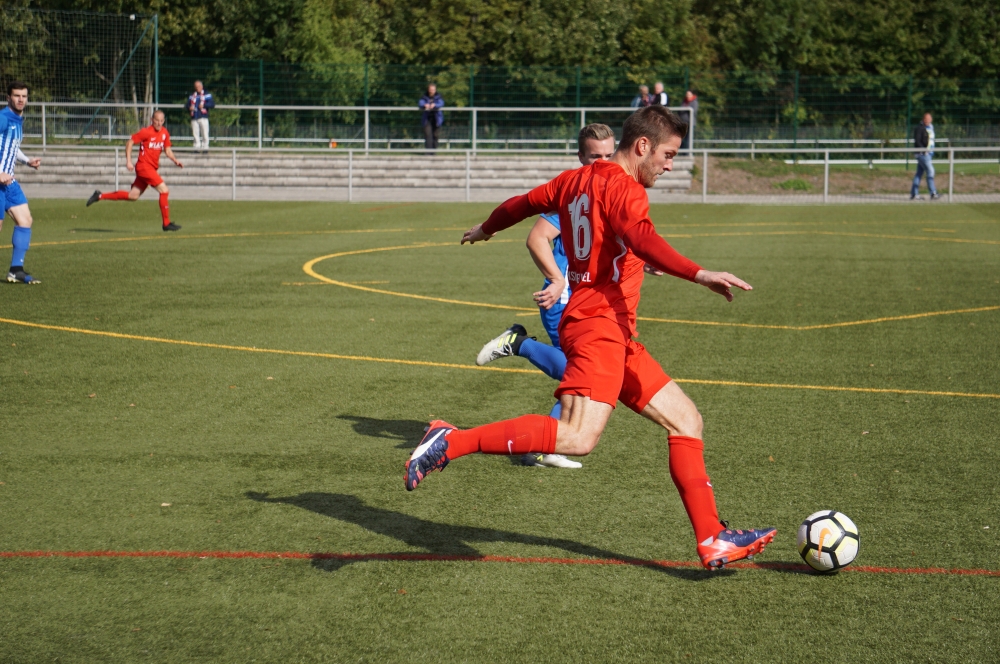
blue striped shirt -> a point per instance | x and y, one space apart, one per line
11 133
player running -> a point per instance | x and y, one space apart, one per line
152 140
13 198
605 226
595 142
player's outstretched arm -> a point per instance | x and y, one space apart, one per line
538 243
513 211
170 155
721 283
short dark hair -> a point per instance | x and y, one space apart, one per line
16 85
596 131
657 123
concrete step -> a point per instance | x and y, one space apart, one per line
296 170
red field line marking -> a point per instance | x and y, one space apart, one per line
438 557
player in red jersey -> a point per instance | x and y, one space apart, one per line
152 140
604 220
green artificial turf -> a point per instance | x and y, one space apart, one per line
267 452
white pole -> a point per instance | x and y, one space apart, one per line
43 126
234 174
704 180
475 122
951 174
366 130
753 146
826 176
350 175
468 174
260 127
116 167
583 118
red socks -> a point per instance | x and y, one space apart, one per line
115 196
528 433
165 209
687 470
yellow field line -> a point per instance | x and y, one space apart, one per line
472 367
203 236
308 268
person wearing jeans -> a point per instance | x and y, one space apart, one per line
923 137
432 117
197 106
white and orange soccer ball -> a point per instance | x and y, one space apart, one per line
828 541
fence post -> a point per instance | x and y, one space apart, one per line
468 174
475 122
260 70
795 119
260 126
116 168
826 176
234 174
909 118
753 146
367 124
350 176
472 85
578 72
704 179
951 173
583 118
156 59
43 126
366 87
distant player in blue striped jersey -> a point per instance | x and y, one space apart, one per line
14 201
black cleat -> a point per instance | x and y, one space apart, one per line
94 197
171 227
21 277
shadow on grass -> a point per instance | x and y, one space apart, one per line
408 432
443 541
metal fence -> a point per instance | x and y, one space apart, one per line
336 127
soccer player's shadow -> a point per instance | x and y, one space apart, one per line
441 540
405 431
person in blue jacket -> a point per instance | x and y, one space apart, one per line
198 105
432 117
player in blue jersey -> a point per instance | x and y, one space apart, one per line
13 199
595 142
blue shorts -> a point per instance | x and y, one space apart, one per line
550 321
12 196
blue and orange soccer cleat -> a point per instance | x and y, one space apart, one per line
731 545
430 454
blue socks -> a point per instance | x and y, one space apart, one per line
22 238
551 360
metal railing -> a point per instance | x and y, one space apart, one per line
135 114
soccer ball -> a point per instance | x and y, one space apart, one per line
828 541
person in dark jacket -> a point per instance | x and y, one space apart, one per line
659 97
197 107
923 138
432 116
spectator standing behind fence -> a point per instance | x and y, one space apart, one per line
642 99
198 105
923 137
690 101
432 116
659 96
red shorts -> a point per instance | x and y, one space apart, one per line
146 176
604 363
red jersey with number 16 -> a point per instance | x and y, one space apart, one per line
598 204
151 142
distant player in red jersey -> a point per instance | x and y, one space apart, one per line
605 227
152 140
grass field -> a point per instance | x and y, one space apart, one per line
172 427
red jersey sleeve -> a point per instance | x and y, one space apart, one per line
647 244
166 143
141 135
542 198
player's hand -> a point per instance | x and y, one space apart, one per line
475 234
35 163
549 295
721 282
649 269
179 164
6 178
129 165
